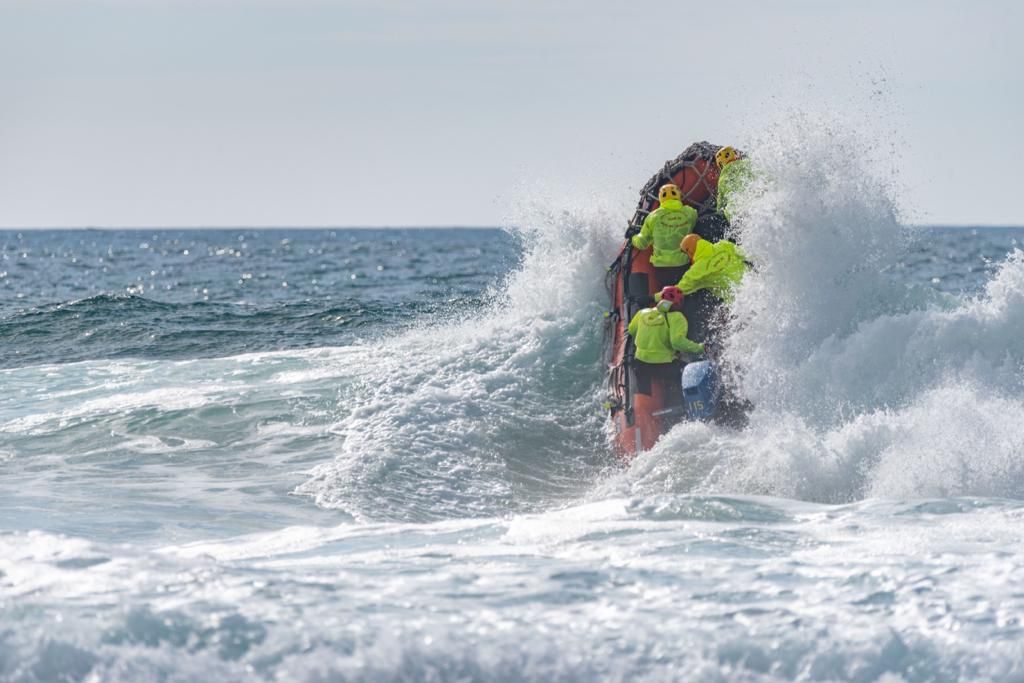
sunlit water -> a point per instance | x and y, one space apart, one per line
379 456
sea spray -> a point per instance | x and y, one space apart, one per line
493 408
863 385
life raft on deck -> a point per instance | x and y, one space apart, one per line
640 418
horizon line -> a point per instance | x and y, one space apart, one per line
250 227
100 228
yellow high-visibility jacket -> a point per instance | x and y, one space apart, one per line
658 336
718 267
665 227
733 178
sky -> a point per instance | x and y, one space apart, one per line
149 113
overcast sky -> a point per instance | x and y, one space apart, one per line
394 112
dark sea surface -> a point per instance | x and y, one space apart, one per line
379 455
80 294
72 295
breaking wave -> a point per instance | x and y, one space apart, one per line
864 385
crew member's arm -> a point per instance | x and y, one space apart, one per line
695 278
643 239
634 324
690 282
705 265
677 329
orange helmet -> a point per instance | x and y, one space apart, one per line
689 244
669 191
725 156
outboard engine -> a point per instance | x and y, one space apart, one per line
700 390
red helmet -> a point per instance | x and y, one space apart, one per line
673 294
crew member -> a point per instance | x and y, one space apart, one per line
734 174
659 333
717 267
663 228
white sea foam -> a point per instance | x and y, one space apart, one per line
861 387
483 411
735 588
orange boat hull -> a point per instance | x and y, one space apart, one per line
640 419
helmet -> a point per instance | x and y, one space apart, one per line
689 244
726 155
672 294
669 191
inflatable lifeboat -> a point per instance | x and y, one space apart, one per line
641 414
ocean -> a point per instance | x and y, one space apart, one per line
380 455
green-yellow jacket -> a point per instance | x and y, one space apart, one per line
733 178
659 335
666 226
718 267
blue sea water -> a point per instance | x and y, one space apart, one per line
379 455
87 294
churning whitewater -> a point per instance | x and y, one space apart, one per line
380 455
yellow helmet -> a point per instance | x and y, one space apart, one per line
669 191
689 244
726 155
